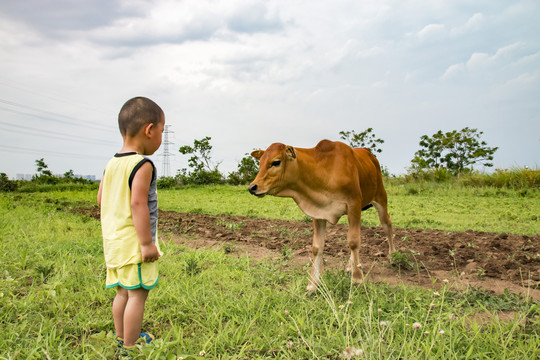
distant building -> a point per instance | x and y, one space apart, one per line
86 177
28 177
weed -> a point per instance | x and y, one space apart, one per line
231 225
44 271
192 266
283 232
286 252
401 260
228 248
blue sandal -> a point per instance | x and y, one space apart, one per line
144 338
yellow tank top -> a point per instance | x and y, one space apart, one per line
121 244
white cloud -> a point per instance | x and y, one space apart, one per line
474 23
432 32
453 71
254 72
173 22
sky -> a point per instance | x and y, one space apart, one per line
251 73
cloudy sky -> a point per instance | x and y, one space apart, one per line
250 73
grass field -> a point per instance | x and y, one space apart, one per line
53 304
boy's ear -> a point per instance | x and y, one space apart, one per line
147 129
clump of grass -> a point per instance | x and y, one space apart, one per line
192 265
44 271
230 225
401 260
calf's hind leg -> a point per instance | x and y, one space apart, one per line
353 240
384 218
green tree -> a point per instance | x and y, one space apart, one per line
246 172
365 139
203 170
456 151
69 175
42 168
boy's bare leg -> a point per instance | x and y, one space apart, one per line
118 309
133 315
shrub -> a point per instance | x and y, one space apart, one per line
6 184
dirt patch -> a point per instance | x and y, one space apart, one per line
491 261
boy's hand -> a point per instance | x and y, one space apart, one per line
149 252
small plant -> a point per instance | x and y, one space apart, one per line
228 248
230 225
286 252
401 260
192 266
44 271
283 232
412 191
480 272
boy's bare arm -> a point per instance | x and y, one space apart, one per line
99 192
141 214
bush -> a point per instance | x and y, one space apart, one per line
6 184
169 182
199 177
517 179
512 179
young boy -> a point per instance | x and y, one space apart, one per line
128 199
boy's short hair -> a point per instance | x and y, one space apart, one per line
136 113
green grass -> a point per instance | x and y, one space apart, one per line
53 304
427 205
448 207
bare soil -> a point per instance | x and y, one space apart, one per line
490 261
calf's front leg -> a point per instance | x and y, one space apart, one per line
317 248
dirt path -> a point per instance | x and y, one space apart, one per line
490 261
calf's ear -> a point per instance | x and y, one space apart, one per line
257 154
291 154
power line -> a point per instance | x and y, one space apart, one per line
49 96
52 134
11 149
51 116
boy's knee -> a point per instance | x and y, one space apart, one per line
138 293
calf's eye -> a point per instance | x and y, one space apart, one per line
276 163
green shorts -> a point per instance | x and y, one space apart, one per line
133 276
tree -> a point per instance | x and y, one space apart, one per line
246 172
200 150
455 150
69 175
365 139
203 170
42 168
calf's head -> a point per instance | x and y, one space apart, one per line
274 171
